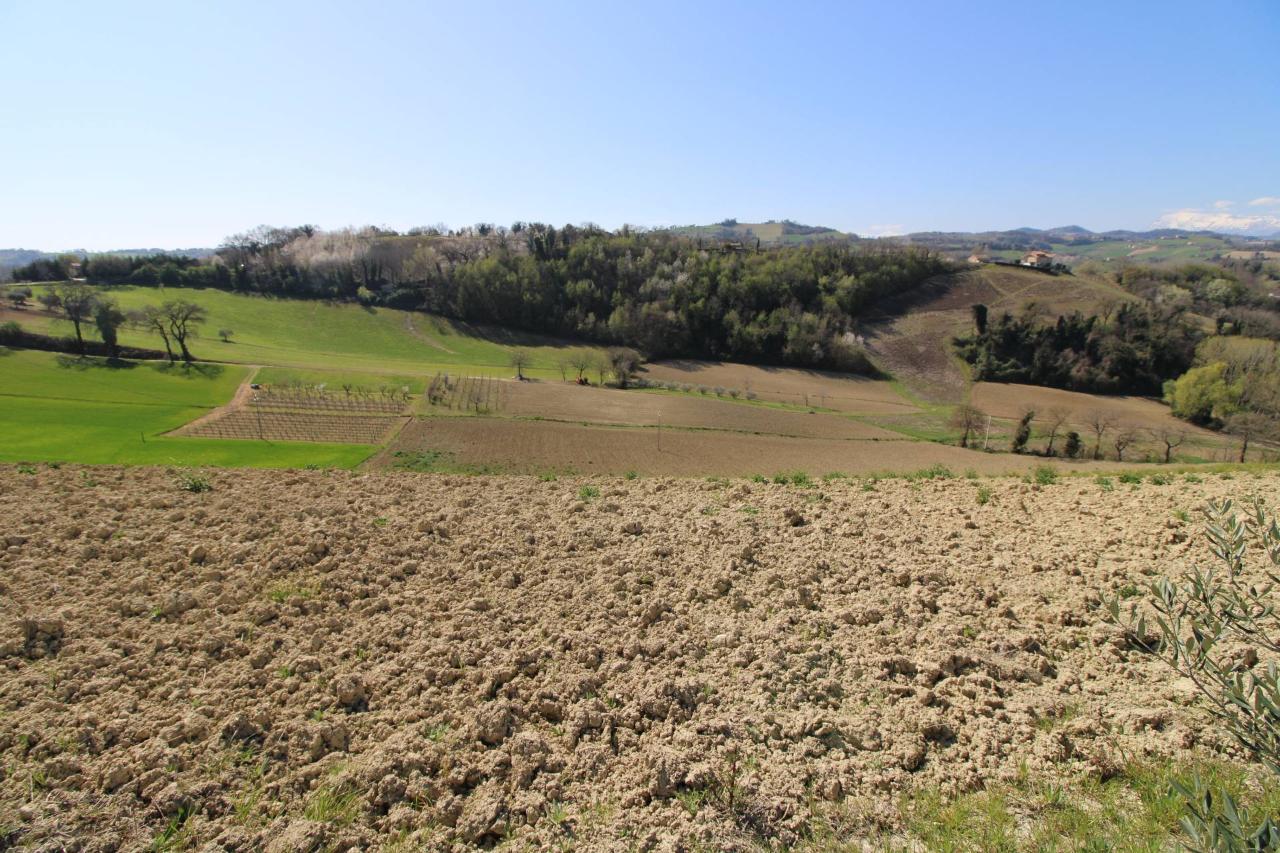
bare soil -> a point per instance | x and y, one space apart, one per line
311 660
842 392
569 402
1009 400
520 446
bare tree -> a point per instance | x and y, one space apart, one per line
968 420
581 362
600 362
519 359
225 334
1246 426
1172 438
1099 420
1054 420
152 319
182 318
562 364
1121 442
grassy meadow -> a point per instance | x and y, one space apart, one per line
59 408
315 335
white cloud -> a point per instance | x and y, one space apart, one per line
1223 205
1191 219
895 230
1266 201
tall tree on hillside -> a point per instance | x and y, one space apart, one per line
581 362
1246 426
979 318
1123 439
1172 438
182 318
1054 421
77 302
519 359
152 319
623 362
1099 420
1023 433
968 420
108 317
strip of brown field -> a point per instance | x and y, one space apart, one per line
521 446
303 661
1009 400
568 402
842 392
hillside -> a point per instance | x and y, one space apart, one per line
910 337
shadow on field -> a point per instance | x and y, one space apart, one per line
83 363
202 370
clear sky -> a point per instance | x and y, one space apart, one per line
174 123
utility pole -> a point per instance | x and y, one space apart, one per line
988 434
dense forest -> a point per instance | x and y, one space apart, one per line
1132 350
658 292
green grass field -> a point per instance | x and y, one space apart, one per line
318 335
58 408
62 408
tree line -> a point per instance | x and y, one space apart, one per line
175 322
660 293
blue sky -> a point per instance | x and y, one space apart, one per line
176 123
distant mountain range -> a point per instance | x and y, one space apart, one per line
1072 243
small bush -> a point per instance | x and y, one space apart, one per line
1160 479
1073 446
189 481
1131 478
1105 483
984 495
1045 475
630 475
587 493
936 471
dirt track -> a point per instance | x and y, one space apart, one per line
327 660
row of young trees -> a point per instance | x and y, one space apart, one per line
1106 431
654 291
